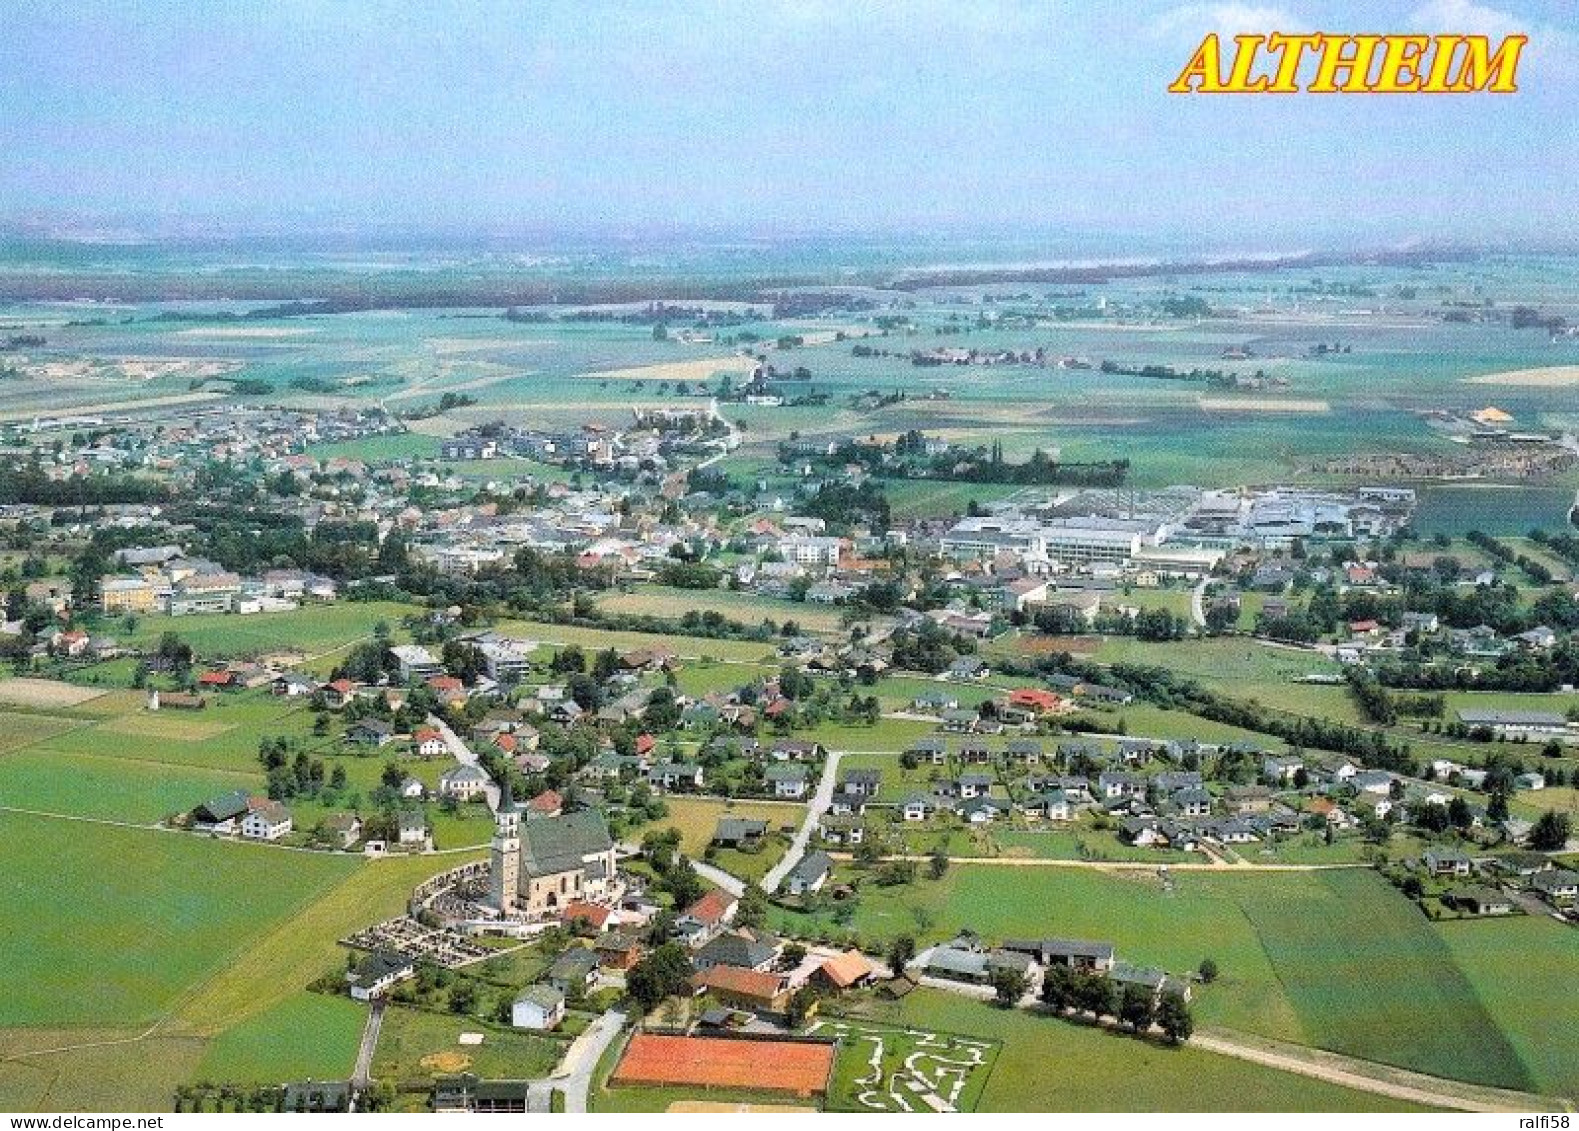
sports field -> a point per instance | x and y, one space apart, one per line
801 1068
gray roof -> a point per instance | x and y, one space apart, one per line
559 844
1512 718
733 949
812 865
225 807
952 960
544 997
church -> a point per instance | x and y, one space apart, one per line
542 863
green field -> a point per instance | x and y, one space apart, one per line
312 629
112 789
657 601
598 638
1334 959
697 818
1045 1064
306 1036
139 916
1523 972
410 1035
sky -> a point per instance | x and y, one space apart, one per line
765 117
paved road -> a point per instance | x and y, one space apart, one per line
574 1075
734 885
819 805
363 1073
1198 603
466 756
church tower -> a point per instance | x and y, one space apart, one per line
505 868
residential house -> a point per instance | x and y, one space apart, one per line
538 1007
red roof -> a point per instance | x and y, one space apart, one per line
712 907
846 969
427 733
445 683
215 679
738 980
343 686
1033 697
645 743
505 741
591 912
548 801
1363 626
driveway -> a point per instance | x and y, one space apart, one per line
734 885
819 805
574 1076
466 756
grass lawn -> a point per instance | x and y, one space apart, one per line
1523 972
19 729
114 789
137 1076
1217 658
140 916
305 1036
1333 959
372 449
411 1036
1369 976
697 818
659 601
751 651
901 1054
281 962
1046 1064
312 629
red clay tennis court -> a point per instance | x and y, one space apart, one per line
721 1062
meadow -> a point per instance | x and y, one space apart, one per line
697 817
311 630
1334 959
1047 1064
141 916
412 1036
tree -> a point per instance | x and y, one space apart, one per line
663 972
801 1004
1136 1007
1550 832
1058 987
1208 970
463 996
1008 986
937 864
753 908
1094 993
900 952
1173 1014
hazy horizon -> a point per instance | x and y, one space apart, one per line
1010 119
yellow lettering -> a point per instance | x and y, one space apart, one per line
1495 73
1400 69
1436 79
1239 80
1355 66
1293 47
1205 65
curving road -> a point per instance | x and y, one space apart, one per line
814 811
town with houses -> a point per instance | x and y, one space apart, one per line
905 700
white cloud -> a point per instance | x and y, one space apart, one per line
1192 21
